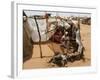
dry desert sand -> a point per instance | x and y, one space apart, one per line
37 62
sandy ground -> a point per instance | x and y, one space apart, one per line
47 50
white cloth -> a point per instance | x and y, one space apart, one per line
78 40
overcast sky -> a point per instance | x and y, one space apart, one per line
32 13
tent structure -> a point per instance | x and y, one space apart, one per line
36 28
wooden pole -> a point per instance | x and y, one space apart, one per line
46 17
39 37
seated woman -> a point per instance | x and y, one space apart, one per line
57 35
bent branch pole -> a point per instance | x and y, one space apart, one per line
39 36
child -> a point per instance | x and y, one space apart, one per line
65 42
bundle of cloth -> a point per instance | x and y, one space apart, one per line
61 59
